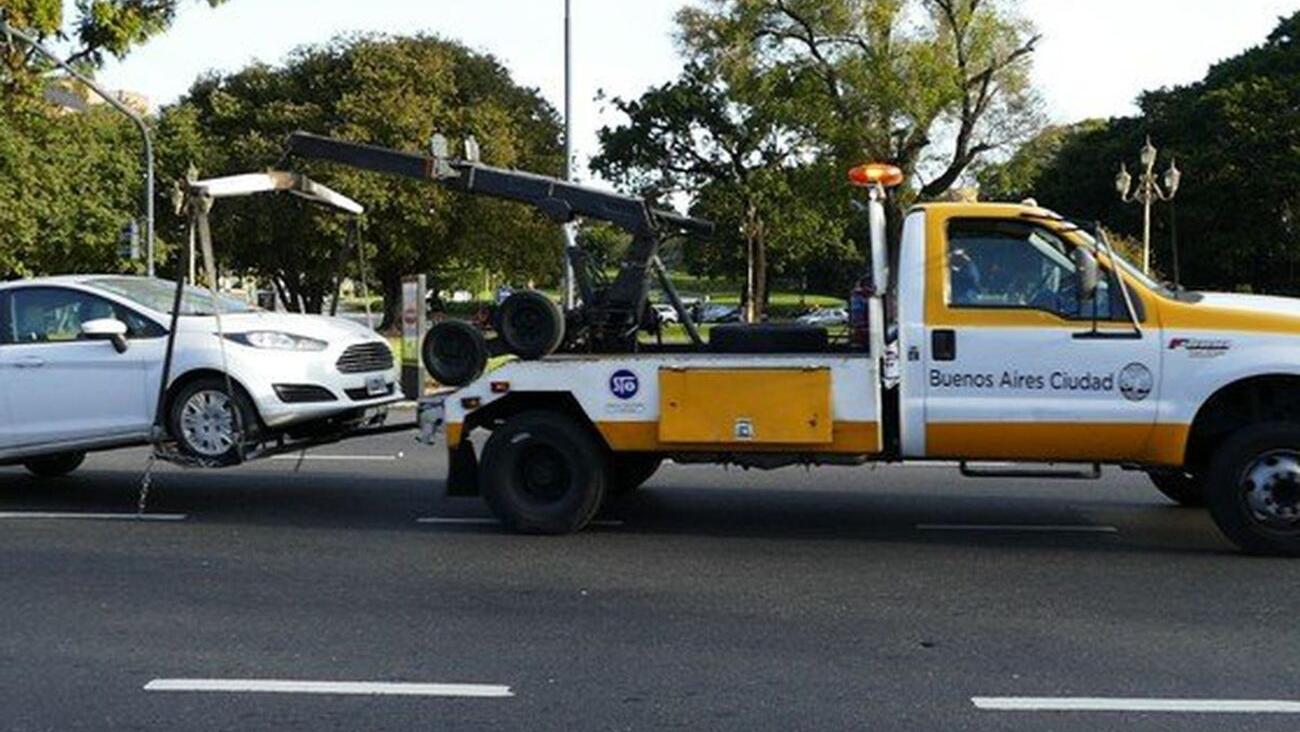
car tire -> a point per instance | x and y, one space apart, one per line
531 325
543 473
455 353
629 471
55 466
1253 489
195 419
1179 486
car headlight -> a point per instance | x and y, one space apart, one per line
276 341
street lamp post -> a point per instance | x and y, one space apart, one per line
1148 192
570 231
8 31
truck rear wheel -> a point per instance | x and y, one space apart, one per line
1253 489
1179 486
543 473
629 471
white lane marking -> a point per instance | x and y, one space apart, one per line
1042 529
343 458
56 516
354 688
438 520
1105 704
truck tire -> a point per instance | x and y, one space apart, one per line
1179 486
630 470
531 325
543 473
1253 489
455 353
55 466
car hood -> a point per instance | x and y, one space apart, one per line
1234 312
1264 304
320 327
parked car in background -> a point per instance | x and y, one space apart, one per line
719 313
826 317
667 313
81 361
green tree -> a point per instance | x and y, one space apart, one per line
394 92
68 184
96 30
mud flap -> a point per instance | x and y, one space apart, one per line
462 474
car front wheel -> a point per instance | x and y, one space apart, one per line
204 424
55 466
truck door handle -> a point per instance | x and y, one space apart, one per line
943 345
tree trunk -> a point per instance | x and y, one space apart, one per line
392 284
760 278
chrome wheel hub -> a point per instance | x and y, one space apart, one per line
208 423
1272 488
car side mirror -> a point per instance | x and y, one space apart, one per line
106 329
1089 276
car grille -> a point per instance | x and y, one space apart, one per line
365 358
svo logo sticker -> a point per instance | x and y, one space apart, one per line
624 384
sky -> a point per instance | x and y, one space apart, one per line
1096 56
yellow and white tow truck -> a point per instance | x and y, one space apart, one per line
1018 337
1007 334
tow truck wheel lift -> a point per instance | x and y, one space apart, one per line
529 324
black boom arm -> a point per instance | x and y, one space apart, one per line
609 312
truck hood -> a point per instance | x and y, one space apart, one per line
320 327
1264 304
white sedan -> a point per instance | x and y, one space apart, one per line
81 362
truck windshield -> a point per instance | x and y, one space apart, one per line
158 295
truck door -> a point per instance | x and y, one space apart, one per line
1013 367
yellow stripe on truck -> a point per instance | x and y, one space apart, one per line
1162 444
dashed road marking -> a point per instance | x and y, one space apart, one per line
1036 529
67 516
349 688
449 521
1119 704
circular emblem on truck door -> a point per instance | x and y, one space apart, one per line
1136 382
624 384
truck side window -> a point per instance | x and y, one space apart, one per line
1000 264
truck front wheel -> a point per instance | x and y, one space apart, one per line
1253 489
1179 486
543 473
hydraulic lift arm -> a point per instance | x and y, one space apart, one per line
610 315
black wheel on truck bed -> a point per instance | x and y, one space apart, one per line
543 473
531 325
1253 489
1179 486
455 353
629 471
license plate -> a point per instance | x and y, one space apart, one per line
376 386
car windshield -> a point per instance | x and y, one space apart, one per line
158 295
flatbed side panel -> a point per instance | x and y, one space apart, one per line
621 395
745 406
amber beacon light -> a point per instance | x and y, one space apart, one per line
872 174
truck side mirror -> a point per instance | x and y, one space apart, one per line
1089 277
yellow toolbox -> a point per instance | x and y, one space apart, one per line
783 406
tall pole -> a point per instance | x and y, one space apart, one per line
9 31
570 233
1146 231
1147 193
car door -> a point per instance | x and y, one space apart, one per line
1017 367
60 387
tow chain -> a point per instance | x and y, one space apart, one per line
146 482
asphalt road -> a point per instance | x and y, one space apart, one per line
713 600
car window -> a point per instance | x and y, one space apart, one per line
998 264
56 314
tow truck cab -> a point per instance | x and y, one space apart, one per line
1017 336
